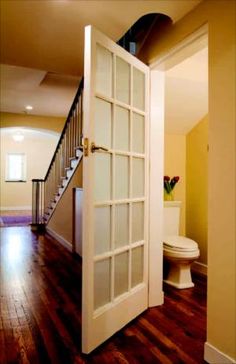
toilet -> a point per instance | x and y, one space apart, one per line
179 252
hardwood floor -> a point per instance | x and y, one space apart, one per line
40 320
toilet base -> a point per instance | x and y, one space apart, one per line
179 285
179 275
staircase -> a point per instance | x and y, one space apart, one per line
47 192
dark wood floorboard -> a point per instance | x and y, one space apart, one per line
40 317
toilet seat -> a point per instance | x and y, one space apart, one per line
183 254
179 244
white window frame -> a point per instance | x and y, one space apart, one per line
23 168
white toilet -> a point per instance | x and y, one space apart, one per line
179 251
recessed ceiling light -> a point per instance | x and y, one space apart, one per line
29 107
18 136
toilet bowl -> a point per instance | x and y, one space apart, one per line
179 252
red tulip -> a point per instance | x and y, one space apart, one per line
169 184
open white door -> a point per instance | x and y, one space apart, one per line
115 184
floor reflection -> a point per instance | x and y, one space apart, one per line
14 248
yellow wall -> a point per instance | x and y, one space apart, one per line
197 186
38 148
187 157
174 165
31 121
221 18
62 220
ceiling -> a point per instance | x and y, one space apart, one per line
50 94
186 93
49 35
42 45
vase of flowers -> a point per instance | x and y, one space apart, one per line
169 184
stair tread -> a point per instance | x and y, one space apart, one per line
60 189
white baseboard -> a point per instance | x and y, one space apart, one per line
15 208
59 238
199 267
214 356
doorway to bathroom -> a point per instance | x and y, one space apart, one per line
179 93
186 145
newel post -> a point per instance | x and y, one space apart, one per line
37 204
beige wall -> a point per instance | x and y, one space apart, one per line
31 121
221 18
38 148
61 221
197 186
175 165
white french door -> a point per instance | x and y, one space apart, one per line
115 183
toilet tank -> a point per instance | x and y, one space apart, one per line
171 217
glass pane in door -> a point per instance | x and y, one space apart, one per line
121 225
121 129
103 71
137 221
137 266
122 80
102 282
138 133
121 177
103 123
102 228
121 273
138 89
102 176
138 177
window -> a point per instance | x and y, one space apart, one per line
15 167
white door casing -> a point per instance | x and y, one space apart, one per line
116 189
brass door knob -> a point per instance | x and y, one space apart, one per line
95 148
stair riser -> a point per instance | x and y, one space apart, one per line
62 188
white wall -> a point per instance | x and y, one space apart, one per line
38 148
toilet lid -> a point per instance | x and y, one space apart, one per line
180 243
